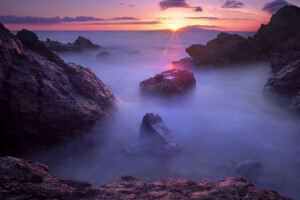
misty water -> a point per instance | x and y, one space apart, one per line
224 120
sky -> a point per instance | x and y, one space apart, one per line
225 15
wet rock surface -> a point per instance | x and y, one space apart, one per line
81 43
21 179
171 82
44 100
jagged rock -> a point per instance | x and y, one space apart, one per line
281 60
171 82
21 179
248 169
84 43
44 100
80 44
155 138
60 47
230 49
103 54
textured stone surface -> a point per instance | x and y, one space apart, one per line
44 100
20 179
171 82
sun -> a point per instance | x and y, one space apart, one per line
174 27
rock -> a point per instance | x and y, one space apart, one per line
155 138
84 43
44 100
230 49
80 44
60 47
248 169
281 60
103 54
185 62
135 52
282 26
21 179
171 82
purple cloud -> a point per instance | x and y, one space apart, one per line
216 18
232 4
198 27
9 19
273 6
125 23
166 4
198 9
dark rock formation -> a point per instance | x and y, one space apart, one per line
285 82
155 138
171 82
85 43
44 100
230 49
103 54
135 53
80 44
60 47
21 179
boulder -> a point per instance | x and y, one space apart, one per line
103 54
248 169
44 100
22 179
84 43
171 82
155 138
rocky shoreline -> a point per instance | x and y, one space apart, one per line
22 179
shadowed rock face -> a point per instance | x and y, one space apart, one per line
21 179
44 100
81 43
171 82
230 49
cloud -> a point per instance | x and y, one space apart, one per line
198 9
166 4
125 23
131 6
9 19
232 4
173 4
216 18
123 18
199 27
273 6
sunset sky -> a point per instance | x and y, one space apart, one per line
242 15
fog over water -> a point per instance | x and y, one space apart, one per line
224 120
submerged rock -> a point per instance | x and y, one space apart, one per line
171 82
44 100
248 169
80 44
155 138
21 179
103 54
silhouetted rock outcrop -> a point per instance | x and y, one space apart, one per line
171 82
103 54
155 138
44 100
21 179
81 43
230 49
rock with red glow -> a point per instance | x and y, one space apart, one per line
171 82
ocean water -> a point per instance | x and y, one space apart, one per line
224 120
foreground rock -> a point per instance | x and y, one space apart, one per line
230 49
285 81
44 100
155 138
21 179
171 82
80 44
